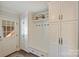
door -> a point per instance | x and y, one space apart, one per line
53 35
1 38
69 10
69 43
8 42
54 11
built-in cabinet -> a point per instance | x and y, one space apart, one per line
63 29
63 10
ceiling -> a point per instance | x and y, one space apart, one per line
21 6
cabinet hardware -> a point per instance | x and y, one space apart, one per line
59 41
61 17
0 36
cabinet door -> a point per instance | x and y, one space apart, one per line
54 11
53 35
69 10
69 44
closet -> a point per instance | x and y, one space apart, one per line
63 29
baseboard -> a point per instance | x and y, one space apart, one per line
6 55
37 52
26 50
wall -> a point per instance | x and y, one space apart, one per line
38 34
24 31
32 36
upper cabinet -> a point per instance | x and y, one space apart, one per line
69 10
64 11
54 11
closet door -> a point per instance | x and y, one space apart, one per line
53 35
69 42
69 10
54 11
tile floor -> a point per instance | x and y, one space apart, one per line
21 53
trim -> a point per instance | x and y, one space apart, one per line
37 52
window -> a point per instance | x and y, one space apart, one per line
8 28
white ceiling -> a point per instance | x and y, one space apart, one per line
21 6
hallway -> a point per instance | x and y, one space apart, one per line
44 28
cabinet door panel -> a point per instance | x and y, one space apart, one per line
69 33
54 11
53 35
69 10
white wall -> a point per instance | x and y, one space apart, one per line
30 37
38 34
24 31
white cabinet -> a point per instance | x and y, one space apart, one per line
64 11
69 10
54 11
63 31
53 34
69 35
